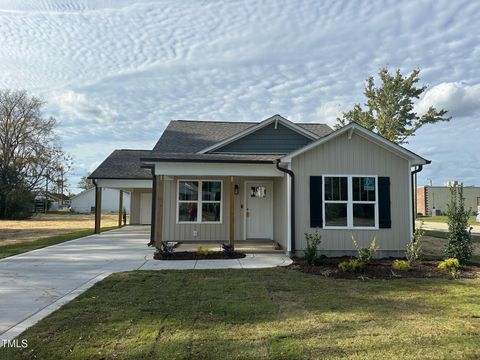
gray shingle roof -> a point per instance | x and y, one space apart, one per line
185 136
180 141
123 164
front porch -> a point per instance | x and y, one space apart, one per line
245 205
245 246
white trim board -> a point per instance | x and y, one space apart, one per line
124 184
216 169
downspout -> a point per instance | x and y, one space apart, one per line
292 203
154 207
413 174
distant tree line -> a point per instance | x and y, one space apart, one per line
31 159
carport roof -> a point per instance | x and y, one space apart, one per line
123 164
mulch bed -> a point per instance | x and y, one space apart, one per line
191 255
381 269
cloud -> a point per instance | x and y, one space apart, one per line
116 71
459 99
78 106
330 111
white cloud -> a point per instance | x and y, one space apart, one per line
459 99
119 70
78 106
329 111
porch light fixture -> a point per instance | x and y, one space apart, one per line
236 189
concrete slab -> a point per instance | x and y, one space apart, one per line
34 284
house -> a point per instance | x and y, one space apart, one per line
85 201
274 179
433 200
54 201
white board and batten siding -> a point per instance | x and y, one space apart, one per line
355 156
85 201
141 207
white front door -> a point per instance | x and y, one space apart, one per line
145 208
259 210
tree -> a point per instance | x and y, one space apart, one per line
85 183
390 107
30 155
459 243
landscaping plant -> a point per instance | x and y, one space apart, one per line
365 255
311 252
451 265
414 247
166 248
459 243
352 265
402 265
228 250
202 250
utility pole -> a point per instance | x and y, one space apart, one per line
46 193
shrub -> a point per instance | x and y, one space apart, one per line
165 250
402 265
352 265
414 247
459 243
365 255
202 250
228 250
451 265
311 252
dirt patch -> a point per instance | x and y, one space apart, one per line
190 255
381 269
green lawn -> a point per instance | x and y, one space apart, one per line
444 235
15 249
443 219
260 314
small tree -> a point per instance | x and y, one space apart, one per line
459 245
390 107
85 183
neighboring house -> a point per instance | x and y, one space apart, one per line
56 202
85 201
433 200
239 181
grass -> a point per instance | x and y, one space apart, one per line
260 314
444 219
22 247
444 235
47 225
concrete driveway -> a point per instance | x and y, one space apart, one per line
34 284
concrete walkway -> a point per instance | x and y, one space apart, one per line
34 284
439 226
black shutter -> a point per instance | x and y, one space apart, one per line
316 208
384 214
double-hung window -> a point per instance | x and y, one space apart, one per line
199 201
350 202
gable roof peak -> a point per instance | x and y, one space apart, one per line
272 119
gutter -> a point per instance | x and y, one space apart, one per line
292 203
154 206
414 190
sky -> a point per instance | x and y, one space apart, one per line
115 72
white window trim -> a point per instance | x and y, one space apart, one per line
199 202
350 203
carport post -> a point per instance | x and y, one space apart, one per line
232 212
98 209
120 208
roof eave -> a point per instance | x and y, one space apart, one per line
413 158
